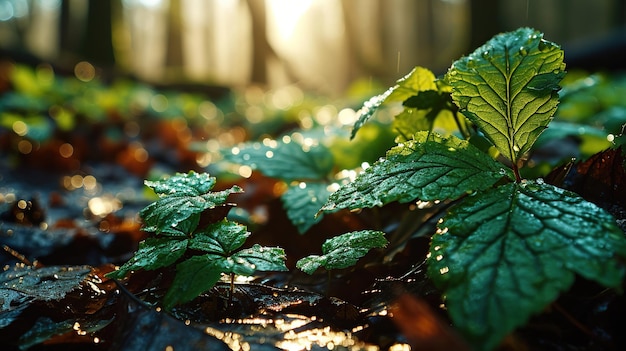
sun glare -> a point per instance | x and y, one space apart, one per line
286 14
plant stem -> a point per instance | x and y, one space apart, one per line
232 289
462 127
328 283
518 178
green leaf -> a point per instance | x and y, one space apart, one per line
508 88
419 79
153 253
426 99
503 255
193 277
429 167
368 109
181 184
302 201
343 251
221 238
288 161
262 258
183 198
248 261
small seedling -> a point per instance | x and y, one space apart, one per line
188 228
509 246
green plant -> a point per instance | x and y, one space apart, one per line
306 161
508 246
343 251
189 229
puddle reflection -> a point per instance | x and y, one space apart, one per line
289 332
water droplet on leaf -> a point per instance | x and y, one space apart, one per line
545 46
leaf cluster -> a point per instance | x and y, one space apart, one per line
292 160
201 253
508 246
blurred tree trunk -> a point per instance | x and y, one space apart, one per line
484 21
97 45
260 46
174 53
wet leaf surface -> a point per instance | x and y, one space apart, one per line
343 251
600 179
420 169
420 79
287 160
302 201
521 245
182 196
508 88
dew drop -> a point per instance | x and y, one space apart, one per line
523 51
610 138
545 46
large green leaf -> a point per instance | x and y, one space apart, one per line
288 160
193 277
183 198
153 253
302 201
419 79
429 167
220 238
343 251
504 254
508 88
